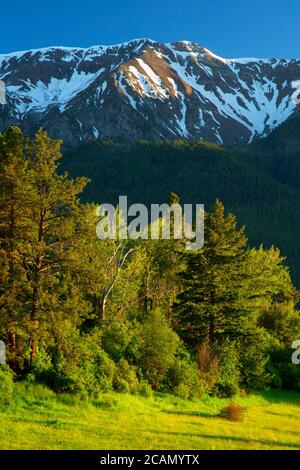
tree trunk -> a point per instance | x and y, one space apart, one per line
13 339
32 350
103 309
36 288
12 229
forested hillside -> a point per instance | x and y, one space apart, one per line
252 187
278 154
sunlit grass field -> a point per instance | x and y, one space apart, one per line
39 419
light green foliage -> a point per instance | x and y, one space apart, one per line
121 339
253 359
158 347
77 364
282 321
185 379
229 376
6 385
125 378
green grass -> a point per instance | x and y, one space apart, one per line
39 419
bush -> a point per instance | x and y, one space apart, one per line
253 360
285 375
119 339
122 386
158 347
184 380
228 381
106 403
145 389
6 385
76 365
126 374
233 412
126 380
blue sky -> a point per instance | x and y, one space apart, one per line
230 28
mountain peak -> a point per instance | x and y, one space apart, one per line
146 89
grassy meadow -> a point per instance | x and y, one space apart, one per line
39 419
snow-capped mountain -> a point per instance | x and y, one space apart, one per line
146 90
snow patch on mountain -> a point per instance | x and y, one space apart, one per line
148 89
56 92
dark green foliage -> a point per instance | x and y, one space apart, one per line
215 299
200 172
279 154
253 351
285 375
226 286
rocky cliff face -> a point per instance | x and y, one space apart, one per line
146 90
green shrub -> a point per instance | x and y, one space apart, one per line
182 390
126 374
119 339
122 386
145 389
253 359
184 379
77 365
42 360
159 344
228 381
126 380
6 385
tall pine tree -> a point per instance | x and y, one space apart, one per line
225 284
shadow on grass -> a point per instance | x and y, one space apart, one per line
277 396
284 415
284 431
55 423
268 442
204 414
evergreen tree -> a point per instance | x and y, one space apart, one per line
225 284
38 224
54 208
14 227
